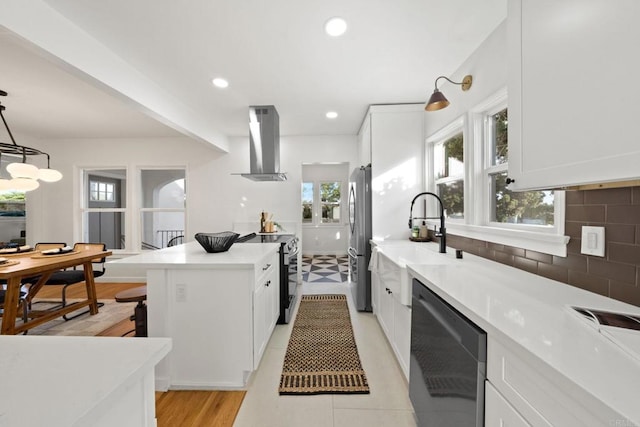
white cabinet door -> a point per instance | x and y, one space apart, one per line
402 334
266 308
273 302
364 142
573 102
498 412
386 312
260 298
375 293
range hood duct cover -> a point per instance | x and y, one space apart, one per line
264 144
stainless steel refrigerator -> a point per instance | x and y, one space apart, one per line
359 237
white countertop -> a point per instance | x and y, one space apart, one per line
60 381
530 310
192 255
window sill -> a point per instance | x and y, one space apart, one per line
547 243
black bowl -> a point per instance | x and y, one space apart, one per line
217 242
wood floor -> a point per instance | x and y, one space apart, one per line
175 408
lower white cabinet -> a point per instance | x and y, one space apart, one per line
393 316
385 313
540 397
266 309
498 412
220 320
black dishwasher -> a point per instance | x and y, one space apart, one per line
447 365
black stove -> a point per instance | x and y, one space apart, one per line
288 268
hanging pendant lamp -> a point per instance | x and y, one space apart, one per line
24 175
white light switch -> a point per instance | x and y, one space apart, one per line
592 241
181 293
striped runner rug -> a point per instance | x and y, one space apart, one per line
322 357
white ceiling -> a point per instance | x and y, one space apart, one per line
272 52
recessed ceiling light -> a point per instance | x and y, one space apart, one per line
335 26
331 115
220 82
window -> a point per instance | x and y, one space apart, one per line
101 191
449 168
533 208
307 202
330 201
156 218
446 150
104 207
162 207
467 164
329 196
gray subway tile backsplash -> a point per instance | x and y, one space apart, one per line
617 275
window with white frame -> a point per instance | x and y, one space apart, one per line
159 201
307 202
475 147
104 206
533 210
329 195
162 207
448 166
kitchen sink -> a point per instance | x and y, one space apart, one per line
621 329
392 265
607 318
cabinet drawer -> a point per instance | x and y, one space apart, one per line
264 269
541 395
498 412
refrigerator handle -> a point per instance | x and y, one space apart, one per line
352 213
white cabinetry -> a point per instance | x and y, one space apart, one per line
540 397
266 307
364 142
396 135
393 316
498 412
573 103
219 316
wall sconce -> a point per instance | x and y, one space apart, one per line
438 100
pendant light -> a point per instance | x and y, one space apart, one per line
24 175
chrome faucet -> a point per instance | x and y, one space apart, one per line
442 233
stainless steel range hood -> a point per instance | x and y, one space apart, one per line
264 144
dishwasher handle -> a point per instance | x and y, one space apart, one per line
440 318
462 329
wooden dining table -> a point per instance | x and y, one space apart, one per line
36 264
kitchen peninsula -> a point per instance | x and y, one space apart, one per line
219 308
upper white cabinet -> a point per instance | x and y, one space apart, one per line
364 142
396 135
573 100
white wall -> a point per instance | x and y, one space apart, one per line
396 166
488 66
215 198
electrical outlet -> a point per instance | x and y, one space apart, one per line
181 293
592 241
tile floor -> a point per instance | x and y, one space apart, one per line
325 268
387 405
